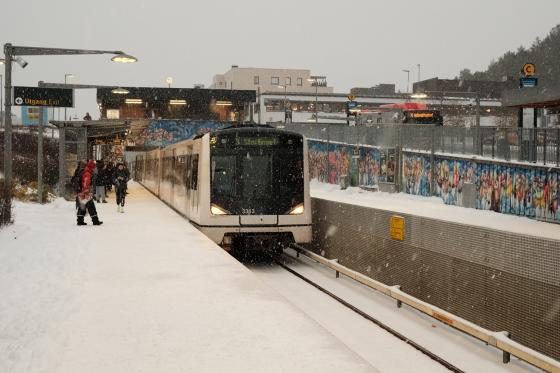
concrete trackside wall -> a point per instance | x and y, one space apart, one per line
498 280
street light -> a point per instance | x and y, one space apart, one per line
66 76
14 53
407 78
120 91
124 58
314 79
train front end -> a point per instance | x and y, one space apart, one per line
259 190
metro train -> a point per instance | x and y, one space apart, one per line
245 187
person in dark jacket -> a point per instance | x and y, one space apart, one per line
109 177
100 182
76 180
85 197
120 178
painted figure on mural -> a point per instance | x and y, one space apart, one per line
529 193
551 197
424 183
539 196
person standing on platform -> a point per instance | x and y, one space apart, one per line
120 178
109 170
85 197
100 182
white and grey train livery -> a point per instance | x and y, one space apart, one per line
244 186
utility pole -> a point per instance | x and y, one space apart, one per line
40 157
8 126
418 71
259 104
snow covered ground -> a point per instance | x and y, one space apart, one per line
433 207
147 292
375 345
144 292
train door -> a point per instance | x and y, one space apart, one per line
172 178
194 183
187 181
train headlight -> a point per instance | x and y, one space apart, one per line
297 210
217 210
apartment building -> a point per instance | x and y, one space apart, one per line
271 80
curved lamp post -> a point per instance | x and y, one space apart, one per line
14 53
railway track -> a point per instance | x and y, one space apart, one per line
282 263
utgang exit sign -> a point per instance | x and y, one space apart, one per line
51 97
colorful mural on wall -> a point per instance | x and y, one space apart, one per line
318 160
366 166
526 191
165 132
508 189
417 175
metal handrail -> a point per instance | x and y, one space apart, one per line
500 340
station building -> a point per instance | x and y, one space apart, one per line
224 105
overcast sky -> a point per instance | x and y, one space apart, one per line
354 43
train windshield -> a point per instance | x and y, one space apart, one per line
257 175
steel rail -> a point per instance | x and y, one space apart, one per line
385 327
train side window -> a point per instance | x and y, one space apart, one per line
194 176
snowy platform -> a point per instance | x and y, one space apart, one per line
144 292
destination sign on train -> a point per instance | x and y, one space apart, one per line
256 141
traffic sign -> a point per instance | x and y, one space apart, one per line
529 69
351 97
528 82
351 104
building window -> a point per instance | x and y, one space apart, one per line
256 79
288 80
275 80
300 81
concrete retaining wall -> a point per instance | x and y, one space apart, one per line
498 280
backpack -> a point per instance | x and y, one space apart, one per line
77 181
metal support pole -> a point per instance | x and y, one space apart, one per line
535 133
558 147
40 157
432 162
316 101
544 145
477 123
506 357
493 144
520 118
259 104
61 161
328 146
8 125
